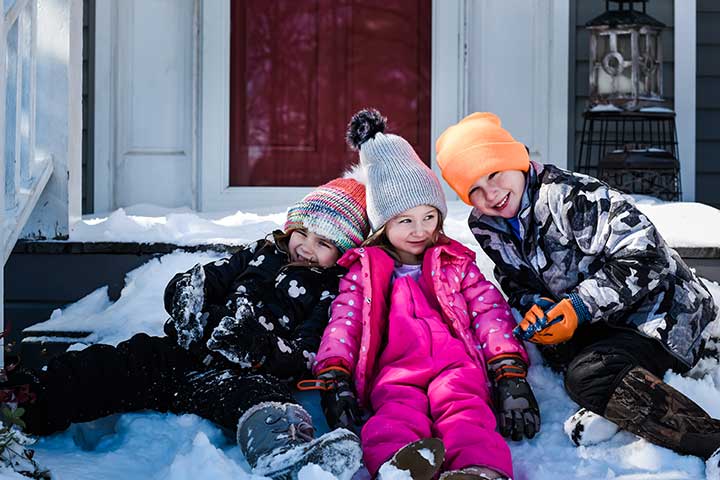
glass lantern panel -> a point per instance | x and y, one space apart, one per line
603 46
651 41
624 46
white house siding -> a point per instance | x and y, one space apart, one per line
708 102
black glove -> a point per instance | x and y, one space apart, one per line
337 398
517 410
241 339
187 319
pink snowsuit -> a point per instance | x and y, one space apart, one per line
420 368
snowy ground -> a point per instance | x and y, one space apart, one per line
160 446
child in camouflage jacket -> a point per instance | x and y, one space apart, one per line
607 300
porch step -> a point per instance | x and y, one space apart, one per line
38 347
44 275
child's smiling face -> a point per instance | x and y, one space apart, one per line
311 248
412 232
498 194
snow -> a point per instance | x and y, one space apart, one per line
151 224
164 446
657 109
682 224
606 108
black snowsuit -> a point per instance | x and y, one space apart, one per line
283 310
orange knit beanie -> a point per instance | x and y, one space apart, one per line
477 146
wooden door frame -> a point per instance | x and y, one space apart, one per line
448 103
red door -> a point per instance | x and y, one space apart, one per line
300 69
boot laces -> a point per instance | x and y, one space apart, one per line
301 432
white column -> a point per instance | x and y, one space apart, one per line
449 100
2 185
685 79
58 125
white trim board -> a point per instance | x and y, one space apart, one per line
106 15
685 91
214 192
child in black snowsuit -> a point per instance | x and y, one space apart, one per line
240 329
609 303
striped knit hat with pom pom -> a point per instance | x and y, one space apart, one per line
397 179
335 210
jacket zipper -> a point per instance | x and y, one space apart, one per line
523 256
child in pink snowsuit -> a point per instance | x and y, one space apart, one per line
417 336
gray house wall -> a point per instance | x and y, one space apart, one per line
586 10
708 103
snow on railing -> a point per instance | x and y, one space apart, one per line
23 175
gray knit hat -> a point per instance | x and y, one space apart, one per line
397 179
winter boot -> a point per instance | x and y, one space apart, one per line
648 407
421 459
473 473
589 428
278 440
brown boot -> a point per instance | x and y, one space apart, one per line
650 408
419 460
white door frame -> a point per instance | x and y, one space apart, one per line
685 91
215 192
106 19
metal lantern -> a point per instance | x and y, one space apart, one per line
625 57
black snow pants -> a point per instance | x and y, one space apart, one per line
143 373
597 358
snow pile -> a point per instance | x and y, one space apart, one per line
139 309
682 224
162 446
179 226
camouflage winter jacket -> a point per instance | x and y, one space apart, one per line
256 310
579 235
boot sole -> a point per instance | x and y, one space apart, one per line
337 452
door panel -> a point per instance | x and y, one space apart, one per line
298 71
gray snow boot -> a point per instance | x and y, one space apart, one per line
278 440
648 407
421 460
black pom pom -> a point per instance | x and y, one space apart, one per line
363 126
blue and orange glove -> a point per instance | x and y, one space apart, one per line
550 323
337 398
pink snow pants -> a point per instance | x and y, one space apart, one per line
428 386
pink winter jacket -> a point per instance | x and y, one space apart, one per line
472 307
